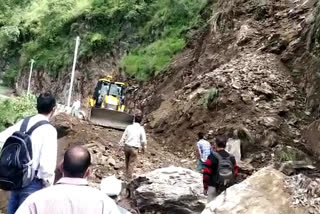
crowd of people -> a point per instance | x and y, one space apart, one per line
29 156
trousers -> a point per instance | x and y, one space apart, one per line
18 196
131 157
212 193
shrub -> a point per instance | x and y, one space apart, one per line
14 109
209 97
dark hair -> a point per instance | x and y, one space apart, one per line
76 162
200 135
45 103
138 118
221 141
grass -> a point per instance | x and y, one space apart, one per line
149 61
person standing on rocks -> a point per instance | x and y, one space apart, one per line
43 138
133 139
71 194
220 169
204 150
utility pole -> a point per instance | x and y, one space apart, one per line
73 69
30 74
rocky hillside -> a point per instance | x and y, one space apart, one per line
250 74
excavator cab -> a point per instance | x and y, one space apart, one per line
108 105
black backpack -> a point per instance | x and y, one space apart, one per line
16 158
225 173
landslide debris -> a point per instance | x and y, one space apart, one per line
103 144
241 75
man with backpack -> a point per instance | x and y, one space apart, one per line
220 170
28 157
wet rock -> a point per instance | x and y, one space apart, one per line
262 193
169 190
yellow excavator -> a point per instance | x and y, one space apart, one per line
107 105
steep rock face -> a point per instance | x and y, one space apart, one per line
169 190
263 193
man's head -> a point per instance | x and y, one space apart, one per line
138 118
200 135
76 162
46 103
220 142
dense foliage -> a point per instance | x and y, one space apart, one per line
153 31
13 109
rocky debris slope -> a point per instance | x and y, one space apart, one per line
237 75
169 190
261 193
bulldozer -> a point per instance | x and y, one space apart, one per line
107 105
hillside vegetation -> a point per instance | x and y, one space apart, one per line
150 31
16 108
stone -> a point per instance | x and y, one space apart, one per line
269 138
270 122
312 137
245 34
169 190
262 193
111 161
290 167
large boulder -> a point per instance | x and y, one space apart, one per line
169 190
263 193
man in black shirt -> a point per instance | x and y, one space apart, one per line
210 172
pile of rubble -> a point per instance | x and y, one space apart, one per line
103 144
305 192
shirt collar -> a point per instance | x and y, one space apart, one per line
73 181
42 117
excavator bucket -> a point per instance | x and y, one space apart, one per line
110 118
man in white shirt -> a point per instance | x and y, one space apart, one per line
204 150
71 194
133 139
44 150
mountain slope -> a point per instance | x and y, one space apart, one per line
244 76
